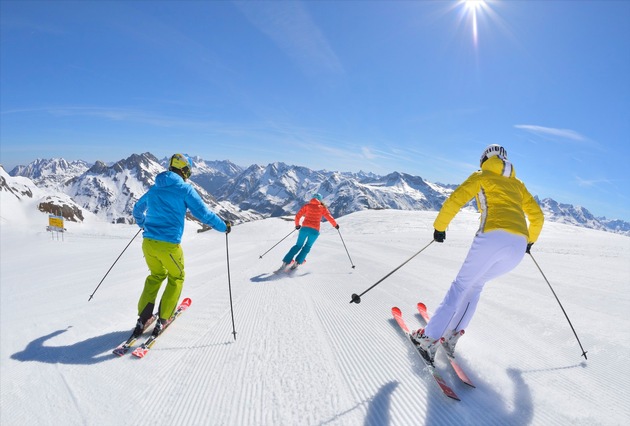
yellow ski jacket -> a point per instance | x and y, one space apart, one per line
502 199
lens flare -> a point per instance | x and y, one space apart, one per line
472 8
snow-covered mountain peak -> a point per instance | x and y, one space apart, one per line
272 190
52 173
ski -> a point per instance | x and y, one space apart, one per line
288 269
124 347
283 268
444 387
143 349
456 367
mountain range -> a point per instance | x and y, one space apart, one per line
242 194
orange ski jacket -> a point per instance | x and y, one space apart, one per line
312 214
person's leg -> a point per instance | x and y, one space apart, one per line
509 250
153 281
491 254
312 235
173 260
298 245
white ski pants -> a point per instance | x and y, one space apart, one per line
491 254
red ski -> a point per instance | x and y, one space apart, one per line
456 367
124 347
445 388
143 349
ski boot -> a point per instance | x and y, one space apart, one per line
282 267
426 345
141 325
449 342
159 326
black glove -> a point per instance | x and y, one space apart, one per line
336 226
297 226
228 226
529 247
439 236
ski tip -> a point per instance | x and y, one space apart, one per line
422 306
187 301
396 310
139 352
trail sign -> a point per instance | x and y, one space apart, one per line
55 224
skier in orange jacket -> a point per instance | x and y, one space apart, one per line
312 213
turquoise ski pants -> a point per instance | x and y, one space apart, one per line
306 239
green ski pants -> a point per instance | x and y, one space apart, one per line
164 260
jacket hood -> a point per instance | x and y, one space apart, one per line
499 166
168 178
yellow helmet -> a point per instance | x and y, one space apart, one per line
181 163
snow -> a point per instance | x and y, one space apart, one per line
304 355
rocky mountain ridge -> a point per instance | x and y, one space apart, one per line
244 194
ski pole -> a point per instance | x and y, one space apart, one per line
561 307
344 246
227 251
356 298
110 268
294 229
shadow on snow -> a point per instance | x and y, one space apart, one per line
479 406
270 276
378 409
90 351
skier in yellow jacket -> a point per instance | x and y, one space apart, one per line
501 242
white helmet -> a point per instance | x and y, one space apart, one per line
491 151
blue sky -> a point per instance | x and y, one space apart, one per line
415 86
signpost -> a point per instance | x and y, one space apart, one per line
55 226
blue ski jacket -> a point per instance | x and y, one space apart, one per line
161 211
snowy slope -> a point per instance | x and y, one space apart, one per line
304 355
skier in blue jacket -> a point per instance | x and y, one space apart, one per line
161 213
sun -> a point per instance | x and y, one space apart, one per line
473 5
472 8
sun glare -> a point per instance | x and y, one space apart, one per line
472 8
473 4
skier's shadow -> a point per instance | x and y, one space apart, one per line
484 397
379 408
378 411
265 278
87 352
270 277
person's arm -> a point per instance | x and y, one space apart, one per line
139 210
329 218
534 215
458 198
299 215
200 210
